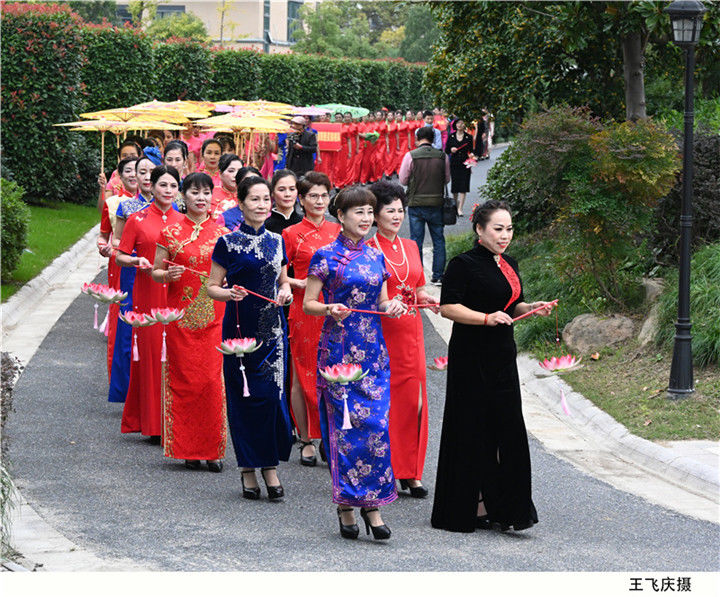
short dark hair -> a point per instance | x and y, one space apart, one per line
124 163
481 214
387 192
226 159
250 181
281 174
143 158
128 143
163 169
242 173
208 142
427 113
198 180
177 144
312 178
426 133
354 196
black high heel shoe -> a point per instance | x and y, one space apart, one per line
249 493
347 531
193 465
416 492
307 460
275 492
321 449
483 522
215 466
379 532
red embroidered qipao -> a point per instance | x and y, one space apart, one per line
390 156
301 242
406 347
193 393
142 405
380 155
221 201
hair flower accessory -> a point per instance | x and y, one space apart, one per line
343 374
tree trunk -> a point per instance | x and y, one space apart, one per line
633 69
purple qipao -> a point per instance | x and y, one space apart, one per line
353 274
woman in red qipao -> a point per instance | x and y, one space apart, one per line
343 159
403 140
404 338
128 149
141 233
211 152
380 155
392 145
224 197
367 149
301 242
193 394
353 174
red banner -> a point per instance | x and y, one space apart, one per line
328 135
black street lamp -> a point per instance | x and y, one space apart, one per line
686 17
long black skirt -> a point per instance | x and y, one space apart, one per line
459 178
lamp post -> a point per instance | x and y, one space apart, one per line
686 17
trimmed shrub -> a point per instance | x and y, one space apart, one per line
183 70
706 203
119 67
15 221
278 80
235 74
41 65
704 307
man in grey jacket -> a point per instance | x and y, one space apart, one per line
426 170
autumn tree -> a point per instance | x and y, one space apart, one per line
514 56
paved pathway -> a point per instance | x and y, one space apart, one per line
125 507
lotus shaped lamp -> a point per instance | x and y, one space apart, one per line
105 294
470 162
167 315
239 346
562 363
136 320
439 364
343 374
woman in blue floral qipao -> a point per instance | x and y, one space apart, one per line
354 417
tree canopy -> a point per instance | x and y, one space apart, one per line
183 25
514 56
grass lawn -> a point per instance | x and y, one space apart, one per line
52 231
630 385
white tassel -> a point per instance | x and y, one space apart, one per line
136 354
563 403
246 389
163 353
346 413
104 325
95 323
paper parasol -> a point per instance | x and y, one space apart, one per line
356 111
311 111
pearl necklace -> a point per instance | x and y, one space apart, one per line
392 264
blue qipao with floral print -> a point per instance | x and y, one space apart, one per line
353 274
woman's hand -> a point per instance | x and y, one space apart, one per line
498 318
284 296
298 283
338 311
102 181
174 272
143 264
237 293
424 298
453 150
395 308
545 311
105 249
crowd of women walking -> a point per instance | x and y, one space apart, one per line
281 321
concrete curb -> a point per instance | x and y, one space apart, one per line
666 462
25 299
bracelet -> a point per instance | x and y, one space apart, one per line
486 316
327 309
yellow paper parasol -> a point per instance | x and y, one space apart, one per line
244 122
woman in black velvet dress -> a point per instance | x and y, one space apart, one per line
483 474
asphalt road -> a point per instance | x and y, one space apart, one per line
117 496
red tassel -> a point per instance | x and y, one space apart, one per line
136 354
246 389
346 413
95 324
163 353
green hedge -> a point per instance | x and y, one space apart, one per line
41 66
55 66
15 220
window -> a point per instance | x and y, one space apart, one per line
293 17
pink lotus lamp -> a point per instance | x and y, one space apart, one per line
240 347
439 364
343 374
562 363
136 320
166 316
